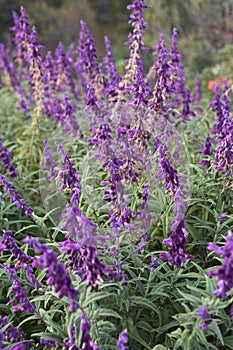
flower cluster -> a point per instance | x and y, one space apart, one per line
20 293
178 239
223 129
84 261
122 340
207 151
223 274
57 275
205 315
15 197
11 335
5 158
86 340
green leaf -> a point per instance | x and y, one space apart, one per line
137 337
228 341
144 303
108 313
215 328
95 297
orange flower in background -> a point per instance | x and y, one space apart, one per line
212 84
221 81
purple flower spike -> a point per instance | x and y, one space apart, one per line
153 263
162 87
84 261
222 217
111 72
14 197
140 91
20 293
135 43
5 158
22 33
176 68
86 340
186 111
87 62
178 239
12 246
167 171
11 334
9 70
204 314
63 72
57 275
224 273
122 340
207 150
177 254
70 343
48 342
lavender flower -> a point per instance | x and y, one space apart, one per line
177 241
86 340
122 340
222 217
19 347
14 197
224 153
66 117
50 165
135 44
207 150
20 293
80 64
153 263
84 261
144 214
57 275
33 56
113 77
25 260
186 110
48 342
162 87
167 170
63 71
70 343
11 333
87 61
223 274
12 246
218 107
6 66
204 314
5 158
139 90
49 75
69 177
176 69
22 33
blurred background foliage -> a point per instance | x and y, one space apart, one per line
205 27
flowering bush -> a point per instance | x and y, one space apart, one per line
113 191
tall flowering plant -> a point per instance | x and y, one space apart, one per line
122 262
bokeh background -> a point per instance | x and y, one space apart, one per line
205 27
